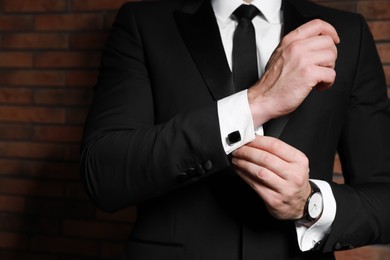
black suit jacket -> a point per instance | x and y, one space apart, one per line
152 138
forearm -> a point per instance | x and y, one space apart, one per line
123 167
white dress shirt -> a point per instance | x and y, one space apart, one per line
234 112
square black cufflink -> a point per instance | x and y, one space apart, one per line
233 137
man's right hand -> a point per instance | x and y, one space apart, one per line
305 58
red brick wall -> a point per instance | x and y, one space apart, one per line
49 55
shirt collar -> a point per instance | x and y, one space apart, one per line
269 8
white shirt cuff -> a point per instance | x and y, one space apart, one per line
309 237
234 115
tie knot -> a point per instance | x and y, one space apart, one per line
246 11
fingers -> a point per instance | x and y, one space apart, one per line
315 60
310 29
264 166
270 156
277 147
321 49
283 185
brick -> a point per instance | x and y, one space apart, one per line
374 9
363 253
112 250
62 97
15 132
11 204
67 59
62 171
15 96
76 190
67 22
31 150
109 19
32 224
34 41
23 6
14 255
61 207
57 133
31 187
79 78
56 244
15 59
95 5
56 170
32 78
338 178
15 22
71 152
387 74
76 115
380 30
32 114
88 40
384 52
112 231
13 241
11 167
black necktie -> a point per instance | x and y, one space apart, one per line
245 72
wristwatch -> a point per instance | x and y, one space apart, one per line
314 204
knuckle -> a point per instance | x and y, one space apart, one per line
241 152
331 75
294 49
302 179
261 173
288 38
307 72
331 54
267 159
275 144
302 160
275 202
318 22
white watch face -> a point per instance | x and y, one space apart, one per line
315 205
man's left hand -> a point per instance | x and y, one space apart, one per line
278 172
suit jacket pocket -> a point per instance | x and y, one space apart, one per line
141 250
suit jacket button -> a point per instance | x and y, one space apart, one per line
199 170
208 165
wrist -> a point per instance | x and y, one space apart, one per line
260 107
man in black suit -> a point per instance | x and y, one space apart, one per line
218 172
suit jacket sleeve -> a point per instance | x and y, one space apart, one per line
363 214
126 157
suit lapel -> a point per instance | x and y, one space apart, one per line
294 15
200 32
